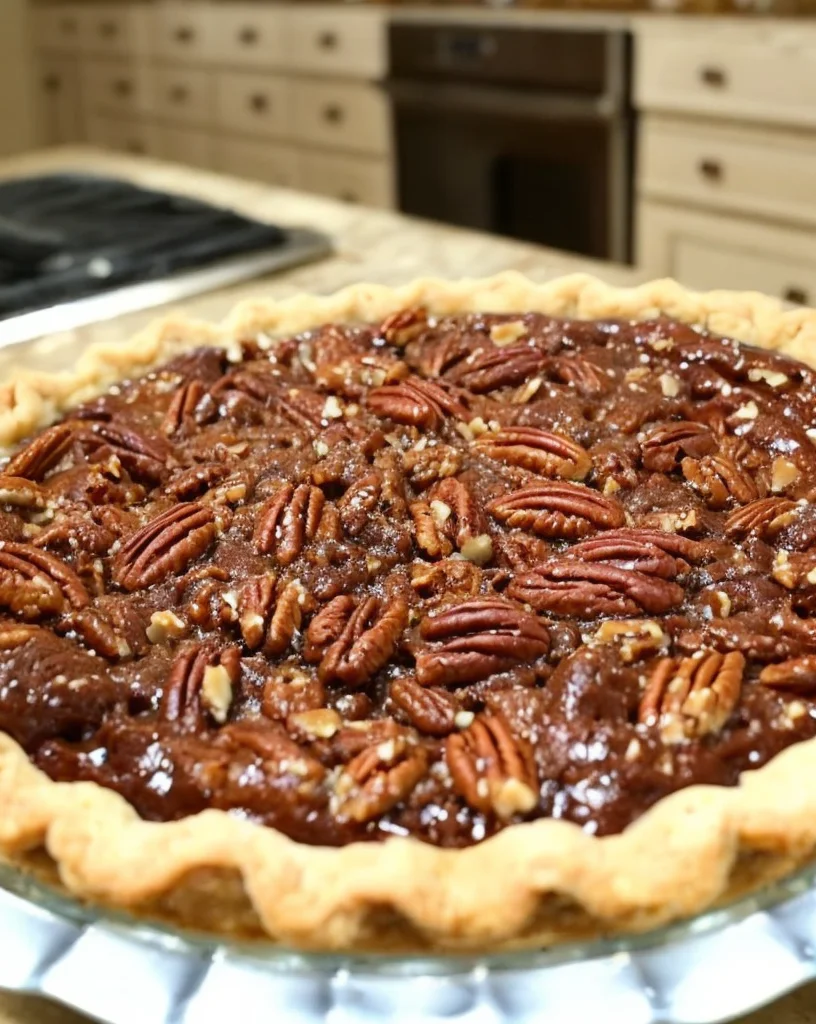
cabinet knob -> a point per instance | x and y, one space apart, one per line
711 170
122 87
333 114
184 34
248 36
799 296
52 83
259 102
108 29
349 197
713 76
134 146
68 26
178 94
327 40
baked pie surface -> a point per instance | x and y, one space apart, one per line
489 587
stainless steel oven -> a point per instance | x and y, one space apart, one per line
526 132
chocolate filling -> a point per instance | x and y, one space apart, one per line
427 577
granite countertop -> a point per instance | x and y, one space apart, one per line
370 245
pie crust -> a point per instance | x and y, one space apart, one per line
532 884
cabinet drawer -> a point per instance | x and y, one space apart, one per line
262 161
248 35
183 31
764 77
181 95
352 179
59 27
337 41
708 251
115 86
344 115
254 104
123 134
186 146
58 100
110 29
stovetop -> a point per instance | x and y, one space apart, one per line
76 248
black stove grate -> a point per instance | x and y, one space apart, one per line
68 236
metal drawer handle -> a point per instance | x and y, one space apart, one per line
248 36
715 77
179 94
799 296
108 29
184 34
259 102
52 83
333 114
327 40
711 169
122 87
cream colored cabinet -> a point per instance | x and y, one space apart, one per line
128 135
352 179
185 146
58 100
121 87
253 103
181 95
264 161
59 28
249 35
183 32
343 115
333 40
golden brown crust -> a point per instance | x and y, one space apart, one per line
549 881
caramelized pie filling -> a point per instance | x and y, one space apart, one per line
428 577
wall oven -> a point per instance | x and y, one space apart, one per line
526 132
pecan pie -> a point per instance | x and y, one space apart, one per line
312 623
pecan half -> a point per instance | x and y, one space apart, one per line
354 640
664 446
762 518
417 403
97 633
377 779
692 697
145 458
539 451
450 517
288 521
589 589
647 551
588 379
165 546
182 406
184 699
22 493
557 509
358 502
423 466
431 711
269 620
403 326
271 744
478 639
492 769
496 368
34 582
446 579
42 453
720 480
795 674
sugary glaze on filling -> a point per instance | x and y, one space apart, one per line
428 577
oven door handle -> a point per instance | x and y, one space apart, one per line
486 100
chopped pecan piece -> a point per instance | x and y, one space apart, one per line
165 546
288 521
429 710
35 583
664 446
182 406
417 403
377 779
354 640
478 639
720 480
185 698
763 518
795 674
496 368
539 451
493 769
591 589
43 453
691 697
445 579
557 509
269 619
423 466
